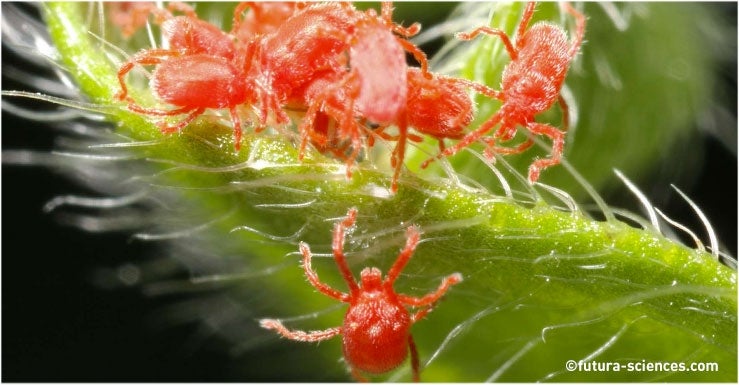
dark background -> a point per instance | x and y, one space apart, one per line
58 326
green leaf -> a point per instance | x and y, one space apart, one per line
543 284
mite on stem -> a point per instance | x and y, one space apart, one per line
376 330
531 84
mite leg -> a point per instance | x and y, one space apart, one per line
380 132
313 276
299 335
528 13
557 148
148 57
338 248
399 153
579 29
387 17
430 298
512 52
419 55
414 359
565 113
412 239
236 120
467 140
492 149
167 129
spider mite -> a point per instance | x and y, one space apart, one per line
319 36
531 84
376 330
439 107
201 69
375 87
308 38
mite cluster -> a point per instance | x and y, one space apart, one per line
376 331
343 72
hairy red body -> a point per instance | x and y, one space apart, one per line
372 87
302 49
201 69
376 330
530 85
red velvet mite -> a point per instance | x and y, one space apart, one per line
201 69
531 84
376 330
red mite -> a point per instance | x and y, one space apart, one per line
340 94
376 331
302 49
373 90
531 84
437 106
202 69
